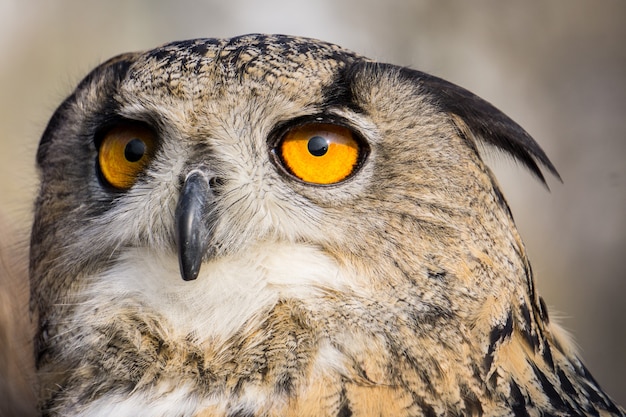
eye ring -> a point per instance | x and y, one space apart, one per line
320 153
124 151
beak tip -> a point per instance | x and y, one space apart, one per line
189 275
190 260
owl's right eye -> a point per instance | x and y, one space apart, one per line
124 152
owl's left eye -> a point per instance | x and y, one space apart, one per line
320 153
124 152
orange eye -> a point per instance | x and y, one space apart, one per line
320 153
124 152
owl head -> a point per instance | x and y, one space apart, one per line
196 187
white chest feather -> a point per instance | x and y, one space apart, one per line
228 292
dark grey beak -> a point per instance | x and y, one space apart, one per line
195 202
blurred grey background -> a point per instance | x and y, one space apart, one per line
557 67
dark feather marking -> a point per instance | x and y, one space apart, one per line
345 411
585 372
284 384
526 315
497 336
200 48
493 380
543 311
339 92
437 275
428 410
597 397
550 391
566 383
519 402
591 411
592 394
547 356
472 403
241 413
531 337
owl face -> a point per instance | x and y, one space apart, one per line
231 111
196 187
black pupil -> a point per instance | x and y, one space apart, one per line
134 150
317 146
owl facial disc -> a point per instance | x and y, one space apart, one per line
192 231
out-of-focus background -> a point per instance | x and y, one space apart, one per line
558 68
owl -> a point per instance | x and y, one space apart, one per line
275 226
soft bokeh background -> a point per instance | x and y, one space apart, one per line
557 67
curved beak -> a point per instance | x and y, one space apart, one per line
195 203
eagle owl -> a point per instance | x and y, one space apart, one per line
276 226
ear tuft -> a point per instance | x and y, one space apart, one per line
485 122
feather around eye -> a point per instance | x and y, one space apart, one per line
124 152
